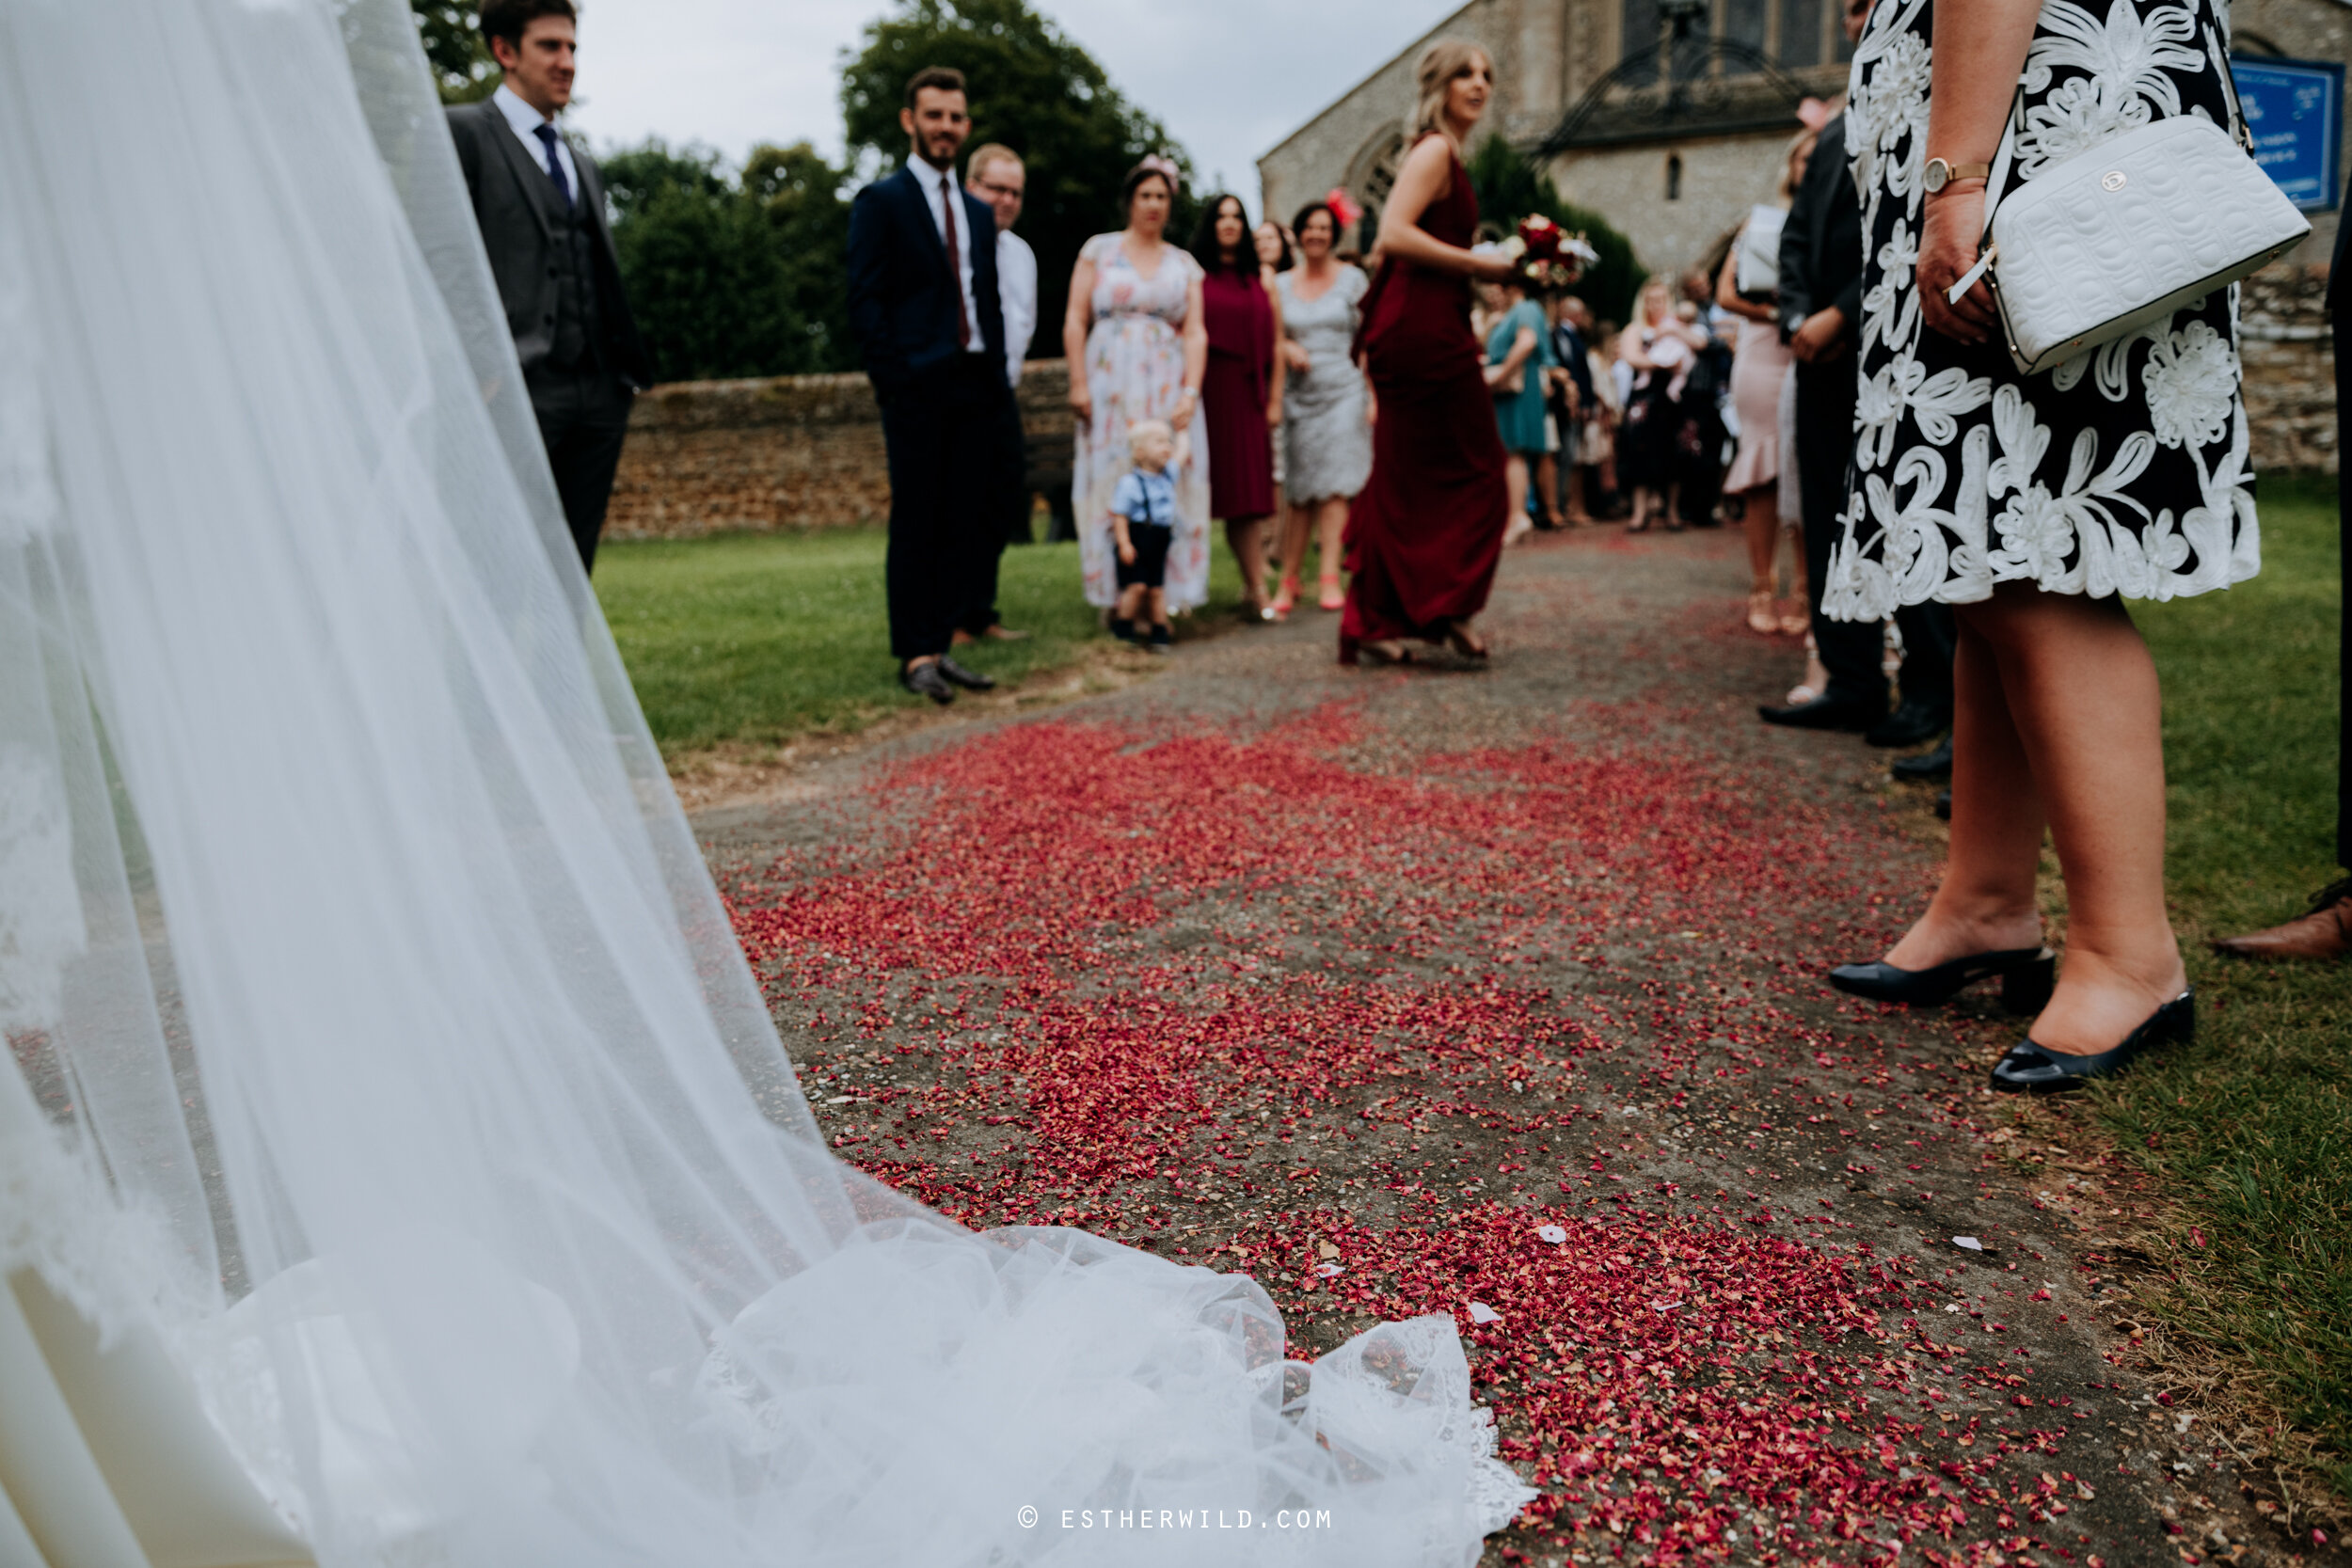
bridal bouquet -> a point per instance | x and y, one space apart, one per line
1548 256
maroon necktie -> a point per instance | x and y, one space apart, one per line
955 260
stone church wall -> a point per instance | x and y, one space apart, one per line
799 452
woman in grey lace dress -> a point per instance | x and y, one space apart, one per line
2036 505
1327 415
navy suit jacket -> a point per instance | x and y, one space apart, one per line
1821 245
902 298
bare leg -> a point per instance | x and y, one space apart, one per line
1762 522
1130 602
1246 536
1760 518
1548 489
1794 616
2059 711
1572 481
1297 523
1331 523
1515 476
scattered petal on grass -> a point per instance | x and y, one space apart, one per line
1970 1242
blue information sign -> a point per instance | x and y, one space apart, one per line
2294 109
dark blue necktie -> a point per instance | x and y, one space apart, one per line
555 166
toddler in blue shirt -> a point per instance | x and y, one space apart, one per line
1143 525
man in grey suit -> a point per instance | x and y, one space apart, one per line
540 202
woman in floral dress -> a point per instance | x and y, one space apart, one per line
1137 345
2036 505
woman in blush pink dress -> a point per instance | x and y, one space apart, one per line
1760 369
1137 350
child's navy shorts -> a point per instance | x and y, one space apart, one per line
1150 563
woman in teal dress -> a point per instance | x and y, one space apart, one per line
1519 362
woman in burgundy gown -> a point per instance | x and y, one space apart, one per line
1241 394
1424 536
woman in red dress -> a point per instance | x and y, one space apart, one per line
1241 394
1423 537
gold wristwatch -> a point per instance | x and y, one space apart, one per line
1941 173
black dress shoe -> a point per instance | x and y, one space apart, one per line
2026 974
2030 1068
1823 713
925 680
971 680
1911 723
1927 765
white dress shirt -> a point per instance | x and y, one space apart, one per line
946 199
1016 287
525 123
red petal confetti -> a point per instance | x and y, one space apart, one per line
1497 1027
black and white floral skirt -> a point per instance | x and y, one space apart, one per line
2123 470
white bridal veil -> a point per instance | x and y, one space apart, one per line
402 1167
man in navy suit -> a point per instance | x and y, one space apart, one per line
931 324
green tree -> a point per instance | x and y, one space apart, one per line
1032 90
1510 187
461 66
732 275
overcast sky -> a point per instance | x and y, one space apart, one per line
1228 78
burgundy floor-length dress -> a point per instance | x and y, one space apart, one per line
1234 394
1423 536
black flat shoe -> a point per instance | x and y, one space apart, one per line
1823 713
1926 765
971 680
2026 975
925 680
1911 723
2030 1068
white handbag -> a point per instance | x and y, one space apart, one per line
2124 234
1757 275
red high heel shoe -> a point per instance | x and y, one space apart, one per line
1334 596
1285 597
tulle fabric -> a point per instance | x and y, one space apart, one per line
385 1051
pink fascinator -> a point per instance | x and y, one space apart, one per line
1164 168
1346 210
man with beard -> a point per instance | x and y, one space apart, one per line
925 308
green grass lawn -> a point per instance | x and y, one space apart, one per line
755 638
2251 1129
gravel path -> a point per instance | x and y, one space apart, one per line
1495 993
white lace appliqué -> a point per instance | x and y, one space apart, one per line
1919 526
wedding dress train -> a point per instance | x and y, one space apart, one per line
402 1167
